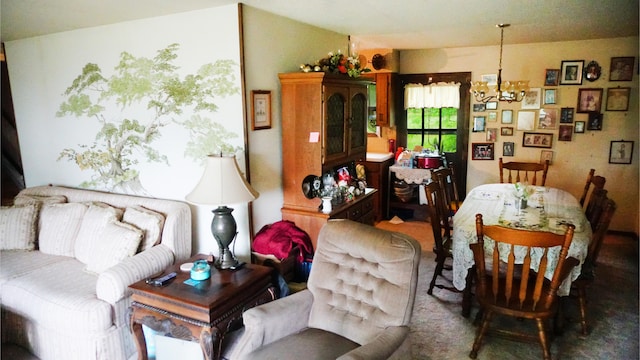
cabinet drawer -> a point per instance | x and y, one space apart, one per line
367 205
355 212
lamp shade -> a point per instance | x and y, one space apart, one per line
222 183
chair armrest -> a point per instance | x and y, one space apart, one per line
381 347
274 320
113 283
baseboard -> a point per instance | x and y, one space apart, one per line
628 234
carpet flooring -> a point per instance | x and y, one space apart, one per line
439 331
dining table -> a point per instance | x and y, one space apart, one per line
548 209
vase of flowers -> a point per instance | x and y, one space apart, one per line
337 63
523 191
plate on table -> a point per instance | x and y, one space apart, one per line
311 186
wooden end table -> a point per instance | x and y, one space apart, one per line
202 313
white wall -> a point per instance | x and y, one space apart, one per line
572 160
41 68
272 45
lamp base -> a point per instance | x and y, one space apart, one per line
223 229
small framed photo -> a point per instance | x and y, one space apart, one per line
478 123
479 107
526 120
539 140
621 152
565 133
589 100
492 116
595 121
593 71
508 148
260 109
491 105
492 134
507 117
566 115
531 99
481 151
551 77
549 96
579 128
622 68
618 99
571 72
506 131
546 155
547 118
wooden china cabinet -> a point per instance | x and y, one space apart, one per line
323 128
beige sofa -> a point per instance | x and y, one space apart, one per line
68 257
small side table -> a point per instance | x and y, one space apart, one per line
204 313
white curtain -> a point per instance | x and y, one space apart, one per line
438 95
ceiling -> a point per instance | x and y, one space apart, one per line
406 24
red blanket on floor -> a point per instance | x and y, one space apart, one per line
280 237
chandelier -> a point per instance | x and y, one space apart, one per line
508 91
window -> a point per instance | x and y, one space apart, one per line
433 128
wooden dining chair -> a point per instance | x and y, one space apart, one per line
440 224
446 178
596 181
523 171
587 273
511 289
595 207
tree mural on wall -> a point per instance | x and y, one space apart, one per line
150 95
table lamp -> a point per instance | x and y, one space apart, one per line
222 183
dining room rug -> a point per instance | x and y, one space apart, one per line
439 331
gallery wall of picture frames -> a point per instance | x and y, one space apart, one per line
542 108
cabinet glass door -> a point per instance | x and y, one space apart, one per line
335 140
359 114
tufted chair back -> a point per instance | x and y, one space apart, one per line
363 280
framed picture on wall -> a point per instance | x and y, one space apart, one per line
620 152
565 133
531 99
507 117
551 77
260 109
492 134
491 105
579 129
589 100
549 96
508 148
571 72
482 151
566 115
506 131
535 139
478 123
595 121
618 99
547 118
622 68
546 155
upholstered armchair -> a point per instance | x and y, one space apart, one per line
358 303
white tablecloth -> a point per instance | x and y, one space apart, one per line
411 175
548 210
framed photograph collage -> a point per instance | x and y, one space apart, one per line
548 114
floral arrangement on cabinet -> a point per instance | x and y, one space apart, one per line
337 63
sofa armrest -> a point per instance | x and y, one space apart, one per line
113 283
274 320
381 347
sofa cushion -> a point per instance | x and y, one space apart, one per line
26 199
95 219
116 242
59 225
19 263
18 227
59 296
149 221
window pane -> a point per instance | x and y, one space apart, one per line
432 118
449 118
449 143
431 141
414 118
413 140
